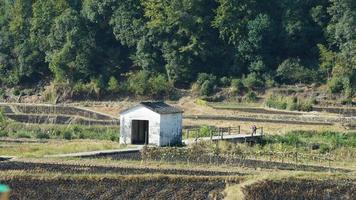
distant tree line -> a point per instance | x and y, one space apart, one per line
149 47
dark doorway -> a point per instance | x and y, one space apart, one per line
139 132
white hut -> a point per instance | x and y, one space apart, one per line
151 123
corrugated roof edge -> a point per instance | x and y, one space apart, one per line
158 107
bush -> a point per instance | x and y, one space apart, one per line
154 85
42 135
2 93
237 85
4 133
250 97
68 135
206 84
335 85
225 81
291 71
93 88
289 103
16 91
202 77
160 86
113 85
274 101
23 134
207 88
253 82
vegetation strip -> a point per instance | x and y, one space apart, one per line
237 118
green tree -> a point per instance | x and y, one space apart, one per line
71 46
342 33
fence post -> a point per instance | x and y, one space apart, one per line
196 135
261 130
229 130
187 133
211 135
222 134
238 129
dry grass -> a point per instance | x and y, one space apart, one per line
237 191
55 147
270 128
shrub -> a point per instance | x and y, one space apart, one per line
206 83
202 77
2 119
237 85
2 93
16 91
68 135
137 82
23 134
160 86
113 85
225 81
4 133
144 83
274 101
253 82
250 97
207 88
42 135
290 103
335 85
291 71
205 131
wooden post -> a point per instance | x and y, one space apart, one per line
196 135
229 130
187 133
211 135
261 130
239 129
222 134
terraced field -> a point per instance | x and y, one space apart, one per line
46 180
88 188
50 114
293 188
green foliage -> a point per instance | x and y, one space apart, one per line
113 85
253 82
237 85
84 44
154 85
274 101
42 135
206 83
225 81
291 71
289 103
336 85
68 135
159 86
250 97
23 134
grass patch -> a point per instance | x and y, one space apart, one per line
53 147
44 131
288 103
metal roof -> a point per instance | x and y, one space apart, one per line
158 107
161 107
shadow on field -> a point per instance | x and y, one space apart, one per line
76 169
86 188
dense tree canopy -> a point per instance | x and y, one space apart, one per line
111 43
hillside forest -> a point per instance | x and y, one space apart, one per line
153 47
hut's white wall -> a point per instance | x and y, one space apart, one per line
171 129
140 113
